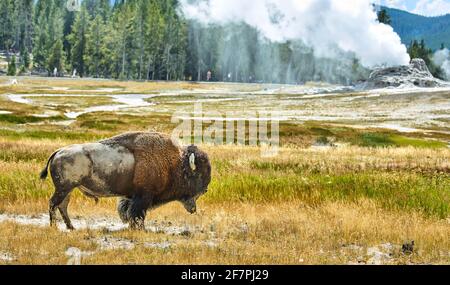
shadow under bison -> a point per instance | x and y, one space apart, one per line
146 170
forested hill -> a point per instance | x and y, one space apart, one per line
434 30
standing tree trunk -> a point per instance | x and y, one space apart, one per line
169 48
123 60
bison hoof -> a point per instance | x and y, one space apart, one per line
137 225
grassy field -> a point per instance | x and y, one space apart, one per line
336 193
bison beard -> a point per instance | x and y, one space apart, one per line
146 170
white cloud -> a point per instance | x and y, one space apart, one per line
399 4
432 7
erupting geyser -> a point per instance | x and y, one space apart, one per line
327 26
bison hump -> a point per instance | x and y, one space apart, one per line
157 160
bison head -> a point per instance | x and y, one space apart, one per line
197 176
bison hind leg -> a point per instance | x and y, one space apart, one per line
65 215
123 208
60 200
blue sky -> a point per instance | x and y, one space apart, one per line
421 7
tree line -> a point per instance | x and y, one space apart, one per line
149 40
134 39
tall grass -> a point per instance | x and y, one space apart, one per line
429 195
395 179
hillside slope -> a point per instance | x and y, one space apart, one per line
434 30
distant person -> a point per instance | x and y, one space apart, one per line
208 75
74 74
55 72
229 76
14 82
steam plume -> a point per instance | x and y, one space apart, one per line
442 59
324 25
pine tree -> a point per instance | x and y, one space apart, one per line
154 38
8 24
172 40
49 27
40 51
56 59
140 28
25 58
97 50
384 18
122 31
12 67
77 40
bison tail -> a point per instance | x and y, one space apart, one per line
44 172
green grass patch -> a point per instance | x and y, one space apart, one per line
104 125
17 119
56 134
429 195
375 140
394 140
420 143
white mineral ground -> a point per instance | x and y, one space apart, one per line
377 255
94 223
404 109
108 225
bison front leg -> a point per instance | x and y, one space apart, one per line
122 208
137 210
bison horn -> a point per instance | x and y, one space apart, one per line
192 162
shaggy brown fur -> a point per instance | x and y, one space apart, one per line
162 173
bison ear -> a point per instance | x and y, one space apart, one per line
192 162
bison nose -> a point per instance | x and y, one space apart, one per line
193 210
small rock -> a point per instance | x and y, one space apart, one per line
75 254
211 243
389 247
6 256
186 233
111 243
244 228
377 257
158 245
352 247
408 247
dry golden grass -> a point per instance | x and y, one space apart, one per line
46 84
242 220
287 233
304 206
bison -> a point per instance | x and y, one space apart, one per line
145 170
